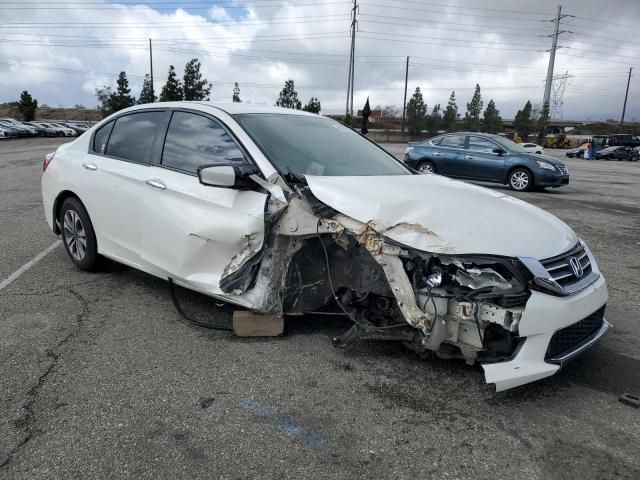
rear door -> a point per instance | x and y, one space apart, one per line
195 233
481 162
112 180
449 155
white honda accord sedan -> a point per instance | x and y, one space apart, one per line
286 212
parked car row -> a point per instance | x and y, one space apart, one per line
11 128
630 154
488 158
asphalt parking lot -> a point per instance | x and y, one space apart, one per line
101 378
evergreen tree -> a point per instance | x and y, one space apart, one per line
492 121
543 123
236 94
474 109
522 123
313 106
450 114
433 120
104 94
121 98
194 86
146 94
27 106
416 112
172 89
289 97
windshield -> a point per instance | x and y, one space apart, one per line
509 145
314 145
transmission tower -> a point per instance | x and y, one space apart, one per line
558 86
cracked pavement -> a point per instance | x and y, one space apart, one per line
100 377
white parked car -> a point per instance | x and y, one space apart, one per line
67 131
287 212
532 148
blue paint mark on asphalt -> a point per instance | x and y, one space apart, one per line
271 414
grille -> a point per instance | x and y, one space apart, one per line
563 169
560 269
571 337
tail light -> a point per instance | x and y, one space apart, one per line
48 158
407 150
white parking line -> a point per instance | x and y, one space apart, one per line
29 264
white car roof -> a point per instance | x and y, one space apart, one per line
231 108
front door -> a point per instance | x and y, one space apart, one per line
194 233
482 162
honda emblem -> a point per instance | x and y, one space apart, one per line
576 267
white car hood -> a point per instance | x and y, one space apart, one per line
439 215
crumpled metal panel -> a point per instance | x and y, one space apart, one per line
435 214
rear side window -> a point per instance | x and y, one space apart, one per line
453 141
133 135
101 136
194 140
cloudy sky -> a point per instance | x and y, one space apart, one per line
61 51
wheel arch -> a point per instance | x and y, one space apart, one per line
426 159
57 205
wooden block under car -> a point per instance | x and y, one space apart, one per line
251 324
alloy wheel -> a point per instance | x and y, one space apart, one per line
519 180
425 168
75 235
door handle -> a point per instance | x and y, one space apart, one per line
90 166
469 157
156 184
437 154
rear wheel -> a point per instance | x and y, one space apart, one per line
78 235
426 167
521 180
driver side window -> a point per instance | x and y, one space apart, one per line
194 140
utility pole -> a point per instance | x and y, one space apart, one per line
354 22
404 104
151 67
552 55
626 95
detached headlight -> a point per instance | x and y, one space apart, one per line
545 165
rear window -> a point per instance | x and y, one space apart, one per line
101 136
133 135
453 141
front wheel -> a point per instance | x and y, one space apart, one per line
78 235
520 180
426 167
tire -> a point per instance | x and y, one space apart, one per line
520 180
78 236
424 168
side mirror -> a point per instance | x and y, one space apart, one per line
226 175
499 151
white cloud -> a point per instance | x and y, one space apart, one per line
450 48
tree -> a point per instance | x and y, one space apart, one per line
104 95
312 106
194 86
172 89
433 120
543 122
522 123
27 106
474 108
236 94
289 97
146 94
450 114
121 98
416 112
492 121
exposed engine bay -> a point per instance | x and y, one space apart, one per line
316 259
